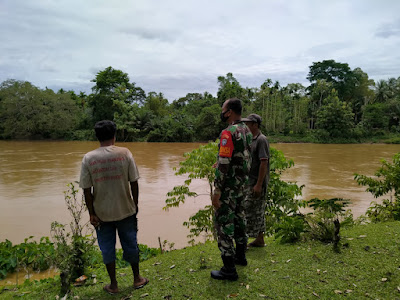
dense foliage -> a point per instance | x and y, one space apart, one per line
385 183
29 255
339 104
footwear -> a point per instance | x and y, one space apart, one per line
240 256
142 285
109 290
228 271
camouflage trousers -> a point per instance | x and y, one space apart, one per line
230 224
255 211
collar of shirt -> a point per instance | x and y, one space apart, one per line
236 122
256 137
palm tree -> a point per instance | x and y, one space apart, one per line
382 92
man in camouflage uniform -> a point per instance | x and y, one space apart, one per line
232 168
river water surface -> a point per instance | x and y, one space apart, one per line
34 175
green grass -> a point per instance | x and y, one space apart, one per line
307 270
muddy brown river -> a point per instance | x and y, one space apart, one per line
34 176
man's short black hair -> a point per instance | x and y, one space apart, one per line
105 130
235 105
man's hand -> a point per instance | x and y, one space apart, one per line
215 201
95 221
257 190
215 165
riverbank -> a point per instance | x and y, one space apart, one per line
379 139
367 267
383 138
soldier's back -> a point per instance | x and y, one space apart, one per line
241 156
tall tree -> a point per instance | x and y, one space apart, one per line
229 87
124 114
362 93
382 93
109 84
296 104
339 74
320 91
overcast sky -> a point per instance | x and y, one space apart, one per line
182 46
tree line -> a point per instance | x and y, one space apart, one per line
340 104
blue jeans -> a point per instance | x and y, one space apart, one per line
127 231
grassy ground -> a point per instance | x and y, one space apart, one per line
368 267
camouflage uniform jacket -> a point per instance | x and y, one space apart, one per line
234 159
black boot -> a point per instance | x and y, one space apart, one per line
228 271
240 257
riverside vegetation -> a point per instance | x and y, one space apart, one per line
366 268
341 105
324 254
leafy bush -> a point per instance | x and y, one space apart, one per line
29 255
201 222
73 246
281 195
329 215
146 252
385 183
387 211
290 228
320 135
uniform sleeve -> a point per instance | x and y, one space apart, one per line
85 180
133 172
225 151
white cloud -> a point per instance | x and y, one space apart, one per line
177 47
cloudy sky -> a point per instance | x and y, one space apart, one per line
176 47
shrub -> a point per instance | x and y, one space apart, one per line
385 183
290 228
281 195
73 246
386 211
29 255
329 215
